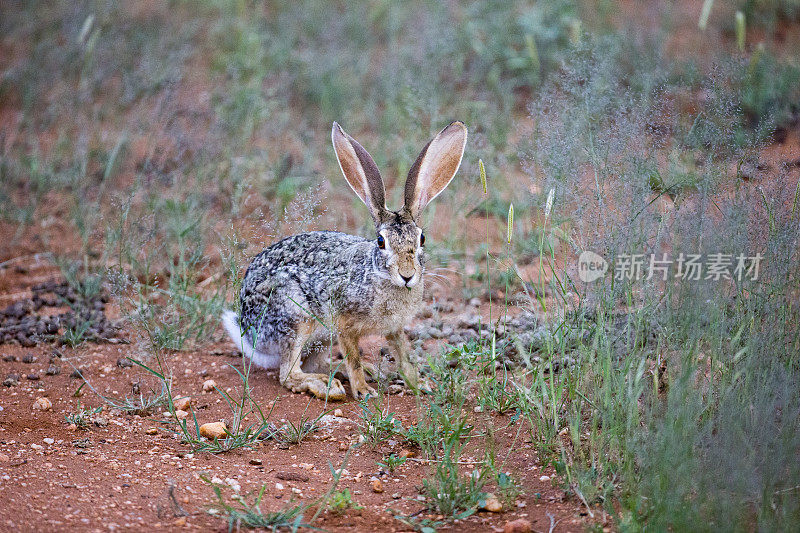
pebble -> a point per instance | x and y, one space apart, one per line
4 458
213 430
343 446
48 440
209 385
278 486
151 431
338 412
255 462
12 380
405 454
181 414
544 478
30 358
124 362
492 504
377 486
37 447
33 377
182 403
396 496
53 370
42 404
179 522
520 525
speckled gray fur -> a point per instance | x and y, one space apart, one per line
285 286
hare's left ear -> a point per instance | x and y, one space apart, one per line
435 167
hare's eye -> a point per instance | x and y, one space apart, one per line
381 242
422 239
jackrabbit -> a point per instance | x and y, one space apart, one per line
351 285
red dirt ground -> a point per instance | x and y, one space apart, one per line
118 477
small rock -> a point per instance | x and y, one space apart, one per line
278 486
209 385
4 458
10 358
544 478
33 377
338 412
12 380
213 430
255 462
76 374
179 522
53 370
405 454
306 466
30 358
396 496
100 421
181 414
343 446
520 525
48 440
492 504
42 404
182 403
395 389
475 302
377 486
124 362
151 431
37 447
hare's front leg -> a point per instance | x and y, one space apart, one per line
348 345
402 349
292 376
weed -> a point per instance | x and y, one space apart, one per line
449 492
392 462
82 415
77 334
342 501
249 514
377 423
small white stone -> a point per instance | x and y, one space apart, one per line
279 486
544 478
209 385
43 404
48 440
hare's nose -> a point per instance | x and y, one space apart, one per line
407 278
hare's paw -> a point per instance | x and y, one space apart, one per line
319 385
362 391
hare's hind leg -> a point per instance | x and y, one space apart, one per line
348 344
292 376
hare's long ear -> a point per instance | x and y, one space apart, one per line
435 167
361 172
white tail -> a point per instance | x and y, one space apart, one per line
231 323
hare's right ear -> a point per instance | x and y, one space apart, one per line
361 172
435 167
